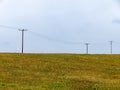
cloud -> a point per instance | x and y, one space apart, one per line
118 1
116 21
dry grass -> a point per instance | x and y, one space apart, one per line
59 72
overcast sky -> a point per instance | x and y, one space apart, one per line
60 26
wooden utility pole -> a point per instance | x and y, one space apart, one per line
87 47
111 47
22 30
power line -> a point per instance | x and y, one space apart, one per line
56 40
22 30
53 39
9 27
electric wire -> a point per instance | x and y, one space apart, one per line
42 36
53 39
9 27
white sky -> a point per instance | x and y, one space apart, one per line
65 20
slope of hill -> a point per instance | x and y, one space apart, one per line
59 72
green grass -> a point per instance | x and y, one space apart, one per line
59 72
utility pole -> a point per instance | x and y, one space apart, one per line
87 48
22 30
111 47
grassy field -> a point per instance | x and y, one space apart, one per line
59 72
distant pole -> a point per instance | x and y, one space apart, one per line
111 47
22 30
87 48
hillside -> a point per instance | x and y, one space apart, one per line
59 72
